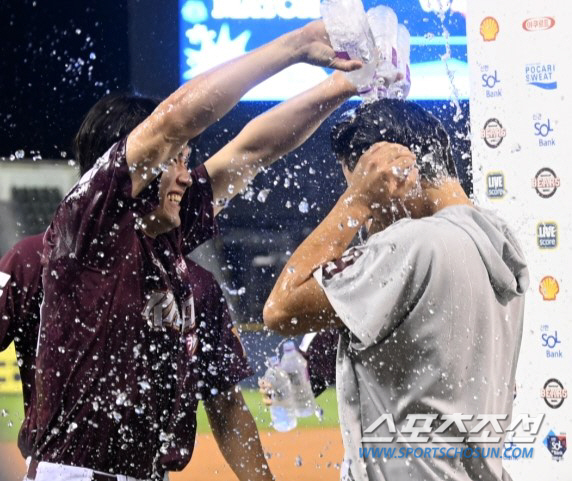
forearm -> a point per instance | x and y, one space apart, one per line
297 303
236 434
208 97
326 243
273 134
202 101
290 124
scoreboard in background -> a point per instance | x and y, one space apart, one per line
214 31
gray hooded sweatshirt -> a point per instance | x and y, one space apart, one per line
434 314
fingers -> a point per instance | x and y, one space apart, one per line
345 65
266 391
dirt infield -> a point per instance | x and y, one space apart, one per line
303 454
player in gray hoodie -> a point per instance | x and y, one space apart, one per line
430 308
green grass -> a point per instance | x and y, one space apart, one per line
12 414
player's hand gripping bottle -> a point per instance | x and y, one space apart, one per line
282 409
296 366
351 37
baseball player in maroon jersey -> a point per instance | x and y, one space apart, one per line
118 369
20 298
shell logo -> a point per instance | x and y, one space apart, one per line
489 29
549 288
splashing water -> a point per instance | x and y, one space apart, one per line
445 58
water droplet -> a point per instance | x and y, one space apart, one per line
304 207
19 154
262 195
298 461
144 385
121 398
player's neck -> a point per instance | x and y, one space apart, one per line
432 199
436 197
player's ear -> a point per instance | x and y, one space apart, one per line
347 173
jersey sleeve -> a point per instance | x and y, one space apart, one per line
20 287
223 358
97 216
373 287
321 356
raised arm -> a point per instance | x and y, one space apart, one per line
206 98
297 303
273 134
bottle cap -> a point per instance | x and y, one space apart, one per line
289 346
273 361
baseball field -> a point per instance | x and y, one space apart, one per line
313 451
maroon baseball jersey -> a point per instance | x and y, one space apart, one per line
20 298
119 373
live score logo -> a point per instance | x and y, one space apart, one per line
496 186
547 235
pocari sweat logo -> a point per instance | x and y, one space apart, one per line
541 75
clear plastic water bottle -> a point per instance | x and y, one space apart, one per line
401 88
383 23
351 37
296 366
282 411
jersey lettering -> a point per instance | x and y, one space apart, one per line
162 310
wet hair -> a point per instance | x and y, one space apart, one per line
108 121
400 122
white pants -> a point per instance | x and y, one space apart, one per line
62 472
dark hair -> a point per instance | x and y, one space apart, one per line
400 122
109 120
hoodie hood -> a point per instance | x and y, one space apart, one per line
500 251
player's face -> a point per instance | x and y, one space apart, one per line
175 180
